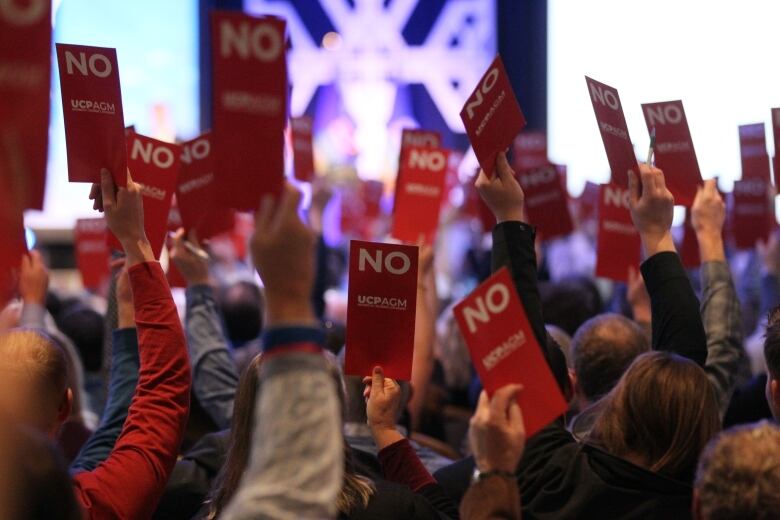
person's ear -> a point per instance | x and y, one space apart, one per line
775 393
66 406
572 386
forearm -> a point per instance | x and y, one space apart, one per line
493 498
296 466
122 383
400 464
33 316
711 248
214 375
513 247
676 322
722 320
422 360
130 481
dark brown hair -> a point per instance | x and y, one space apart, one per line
661 414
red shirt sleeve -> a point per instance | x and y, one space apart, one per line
400 464
130 482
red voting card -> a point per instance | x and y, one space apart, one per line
546 201
196 190
492 116
618 245
776 135
530 150
25 73
418 194
674 152
249 75
415 137
614 131
92 253
381 306
303 148
155 166
752 149
92 110
420 138
752 212
14 246
504 350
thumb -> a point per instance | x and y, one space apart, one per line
377 382
107 188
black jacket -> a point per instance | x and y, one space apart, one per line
559 477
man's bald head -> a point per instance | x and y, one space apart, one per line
603 348
33 379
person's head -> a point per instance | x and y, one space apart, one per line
659 416
356 490
34 380
570 302
772 357
242 310
34 480
85 328
602 350
739 475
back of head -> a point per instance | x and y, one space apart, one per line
85 328
602 350
660 415
570 302
34 481
33 378
739 474
242 310
772 358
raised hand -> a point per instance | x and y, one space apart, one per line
33 279
320 197
502 193
637 296
652 209
124 296
283 252
383 401
708 214
193 268
124 211
497 431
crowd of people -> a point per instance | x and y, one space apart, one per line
242 410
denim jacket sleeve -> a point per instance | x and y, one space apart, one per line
214 374
122 383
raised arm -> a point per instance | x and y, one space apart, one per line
676 321
397 457
424 333
129 483
214 374
296 465
720 310
121 385
497 440
513 239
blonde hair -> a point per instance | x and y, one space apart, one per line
34 357
739 473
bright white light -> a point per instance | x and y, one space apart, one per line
712 55
331 41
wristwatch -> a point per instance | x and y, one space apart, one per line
478 475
